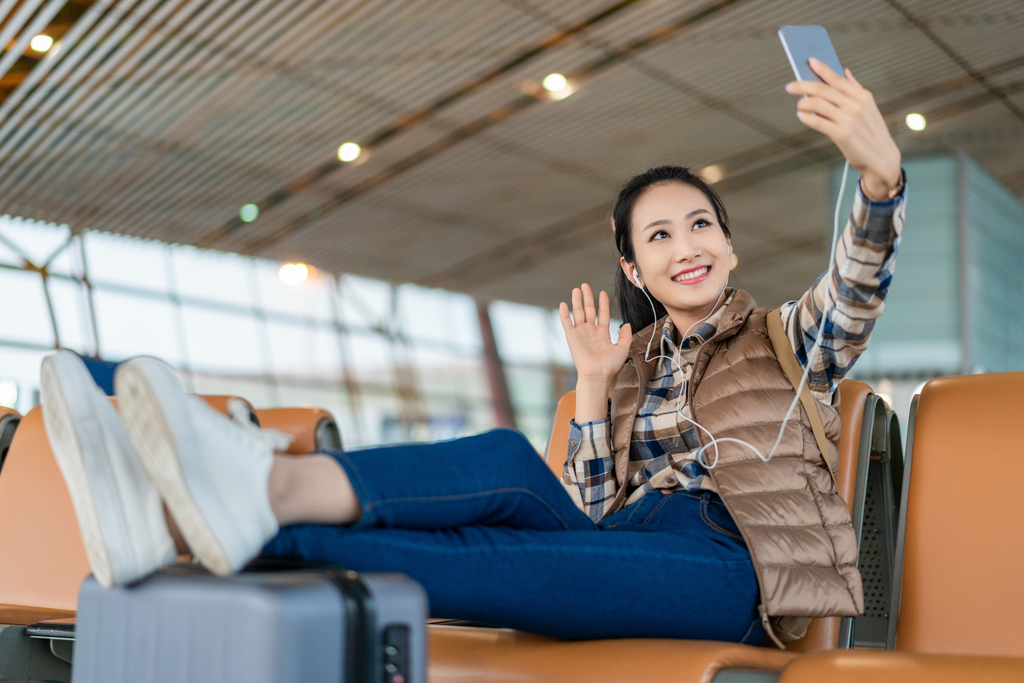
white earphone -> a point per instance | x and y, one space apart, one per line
636 279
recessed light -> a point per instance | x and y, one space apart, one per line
293 273
916 122
41 43
349 151
555 82
712 173
249 213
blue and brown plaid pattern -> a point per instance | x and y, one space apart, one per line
661 455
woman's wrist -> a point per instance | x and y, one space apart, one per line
879 187
592 398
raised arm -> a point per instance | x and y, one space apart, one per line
855 287
589 475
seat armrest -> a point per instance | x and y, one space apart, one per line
460 654
220 404
314 429
859 666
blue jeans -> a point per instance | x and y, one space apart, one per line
488 530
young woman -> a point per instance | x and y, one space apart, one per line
640 538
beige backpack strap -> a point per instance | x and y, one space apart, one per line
791 366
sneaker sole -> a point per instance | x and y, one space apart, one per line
160 448
66 442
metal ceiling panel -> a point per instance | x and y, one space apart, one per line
160 118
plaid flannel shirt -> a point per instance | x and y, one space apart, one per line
664 442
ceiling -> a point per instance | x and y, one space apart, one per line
161 118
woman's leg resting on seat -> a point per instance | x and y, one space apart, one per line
491 479
495 478
688 580
312 489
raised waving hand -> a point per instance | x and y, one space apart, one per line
596 358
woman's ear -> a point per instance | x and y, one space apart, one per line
628 268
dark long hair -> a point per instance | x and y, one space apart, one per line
634 307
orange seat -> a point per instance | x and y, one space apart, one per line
42 559
220 404
957 599
9 419
854 445
558 443
464 655
962 528
859 666
314 429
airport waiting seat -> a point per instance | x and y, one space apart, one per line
9 419
314 429
460 652
957 596
961 532
42 559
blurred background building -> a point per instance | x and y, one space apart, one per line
445 170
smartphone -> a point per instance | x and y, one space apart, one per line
803 42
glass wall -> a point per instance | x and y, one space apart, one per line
391 362
538 367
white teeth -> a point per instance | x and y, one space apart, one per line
692 274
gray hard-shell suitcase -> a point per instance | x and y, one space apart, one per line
312 625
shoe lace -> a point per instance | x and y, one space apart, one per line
240 414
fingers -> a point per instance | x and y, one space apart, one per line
821 124
819 106
577 306
589 309
603 309
822 90
563 315
831 77
625 336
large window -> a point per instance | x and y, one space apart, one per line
391 362
537 363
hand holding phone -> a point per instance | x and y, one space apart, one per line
802 43
841 109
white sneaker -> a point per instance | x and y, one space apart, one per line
212 472
119 511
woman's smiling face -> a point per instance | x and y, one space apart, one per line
682 254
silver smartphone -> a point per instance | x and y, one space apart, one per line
803 42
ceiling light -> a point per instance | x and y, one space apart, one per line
41 43
350 151
915 122
735 261
555 82
249 213
293 273
712 173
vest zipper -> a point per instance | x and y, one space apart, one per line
767 624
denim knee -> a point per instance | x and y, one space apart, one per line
509 444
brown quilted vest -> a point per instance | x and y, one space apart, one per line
795 524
